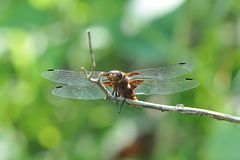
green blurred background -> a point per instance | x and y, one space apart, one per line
39 34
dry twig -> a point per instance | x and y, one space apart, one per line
163 108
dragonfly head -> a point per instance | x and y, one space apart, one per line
115 76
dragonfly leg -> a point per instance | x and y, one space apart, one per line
117 95
113 91
122 105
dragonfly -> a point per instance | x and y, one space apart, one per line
161 81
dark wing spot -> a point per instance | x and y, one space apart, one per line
51 69
181 63
59 86
188 79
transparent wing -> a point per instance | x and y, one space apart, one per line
84 92
67 77
165 72
165 86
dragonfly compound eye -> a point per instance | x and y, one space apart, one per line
114 75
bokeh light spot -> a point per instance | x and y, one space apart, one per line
49 137
42 4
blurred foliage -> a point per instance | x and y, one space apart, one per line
39 34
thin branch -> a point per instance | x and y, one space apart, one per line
91 53
179 108
187 110
89 76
